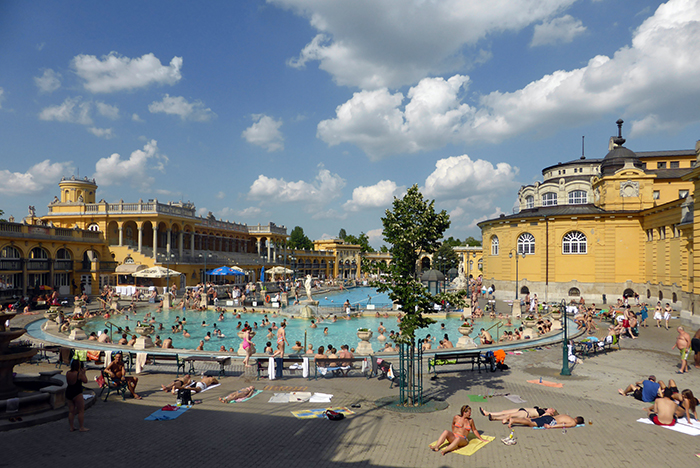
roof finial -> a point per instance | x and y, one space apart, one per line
583 147
619 141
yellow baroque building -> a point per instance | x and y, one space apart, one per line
600 229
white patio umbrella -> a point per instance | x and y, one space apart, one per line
156 272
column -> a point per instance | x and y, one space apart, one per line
155 243
192 243
168 235
121 235
140 238
258 244
269 249
181 246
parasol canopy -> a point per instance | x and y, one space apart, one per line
156 272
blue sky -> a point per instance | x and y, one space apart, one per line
317 113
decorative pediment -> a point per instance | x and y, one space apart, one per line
629 189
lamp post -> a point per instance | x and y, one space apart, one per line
204 273
510 255
565 344
167 265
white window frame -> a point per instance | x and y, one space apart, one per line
549 199
574 243
526 244
494 245
578 197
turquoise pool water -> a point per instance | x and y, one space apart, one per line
358 297
338 333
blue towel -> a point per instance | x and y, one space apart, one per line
161 415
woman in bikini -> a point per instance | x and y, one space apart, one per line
247 346
529 413
462 424
281 340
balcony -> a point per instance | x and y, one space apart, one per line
14 264
37 264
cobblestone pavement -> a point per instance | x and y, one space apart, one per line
258 433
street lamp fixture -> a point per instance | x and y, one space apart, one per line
517 254
204 272
565 343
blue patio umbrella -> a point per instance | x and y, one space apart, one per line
262 274
224 271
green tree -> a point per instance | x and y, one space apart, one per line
451 241
362 241
298 240
342 234
412 227
445 258
384 249
471 242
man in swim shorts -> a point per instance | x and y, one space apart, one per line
683 345
663 412
548 422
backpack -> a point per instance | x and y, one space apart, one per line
184 396
334 415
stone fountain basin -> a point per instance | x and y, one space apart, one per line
11 334
16 355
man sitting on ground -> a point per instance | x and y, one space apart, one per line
663 412
547 421
646 390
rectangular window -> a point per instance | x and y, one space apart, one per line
661 165
675 164
662 232
656 195
644 166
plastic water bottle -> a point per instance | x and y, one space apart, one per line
540 379
512 433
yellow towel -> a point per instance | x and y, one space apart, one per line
473 445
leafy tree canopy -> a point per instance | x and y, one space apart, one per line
342 234
471 242
362 241
298 240
445 258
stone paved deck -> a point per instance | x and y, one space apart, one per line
260 434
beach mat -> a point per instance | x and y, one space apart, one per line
516 399
163 415
477 398
691 428
256 392
471 448
320 412
546 383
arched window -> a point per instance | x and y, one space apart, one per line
10 252
549 199
94 227
578 197
661 296
674 298
574 292
480 265
648 294
574 242
494 245
38 253
63 254
529 201
526 243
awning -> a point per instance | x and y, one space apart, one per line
129 268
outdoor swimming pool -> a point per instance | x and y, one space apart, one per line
358 297
338 333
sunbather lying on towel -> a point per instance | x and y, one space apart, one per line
204 384
238 395
548 422
528 413
177 384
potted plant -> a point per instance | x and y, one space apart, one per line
364 334
465 329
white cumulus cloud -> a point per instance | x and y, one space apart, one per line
49 81
72 110
265 132
114 72
134 171
106 110
560 30
379 195
459 177
325 186
662 56
373 44
106 133
178 105
37 179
